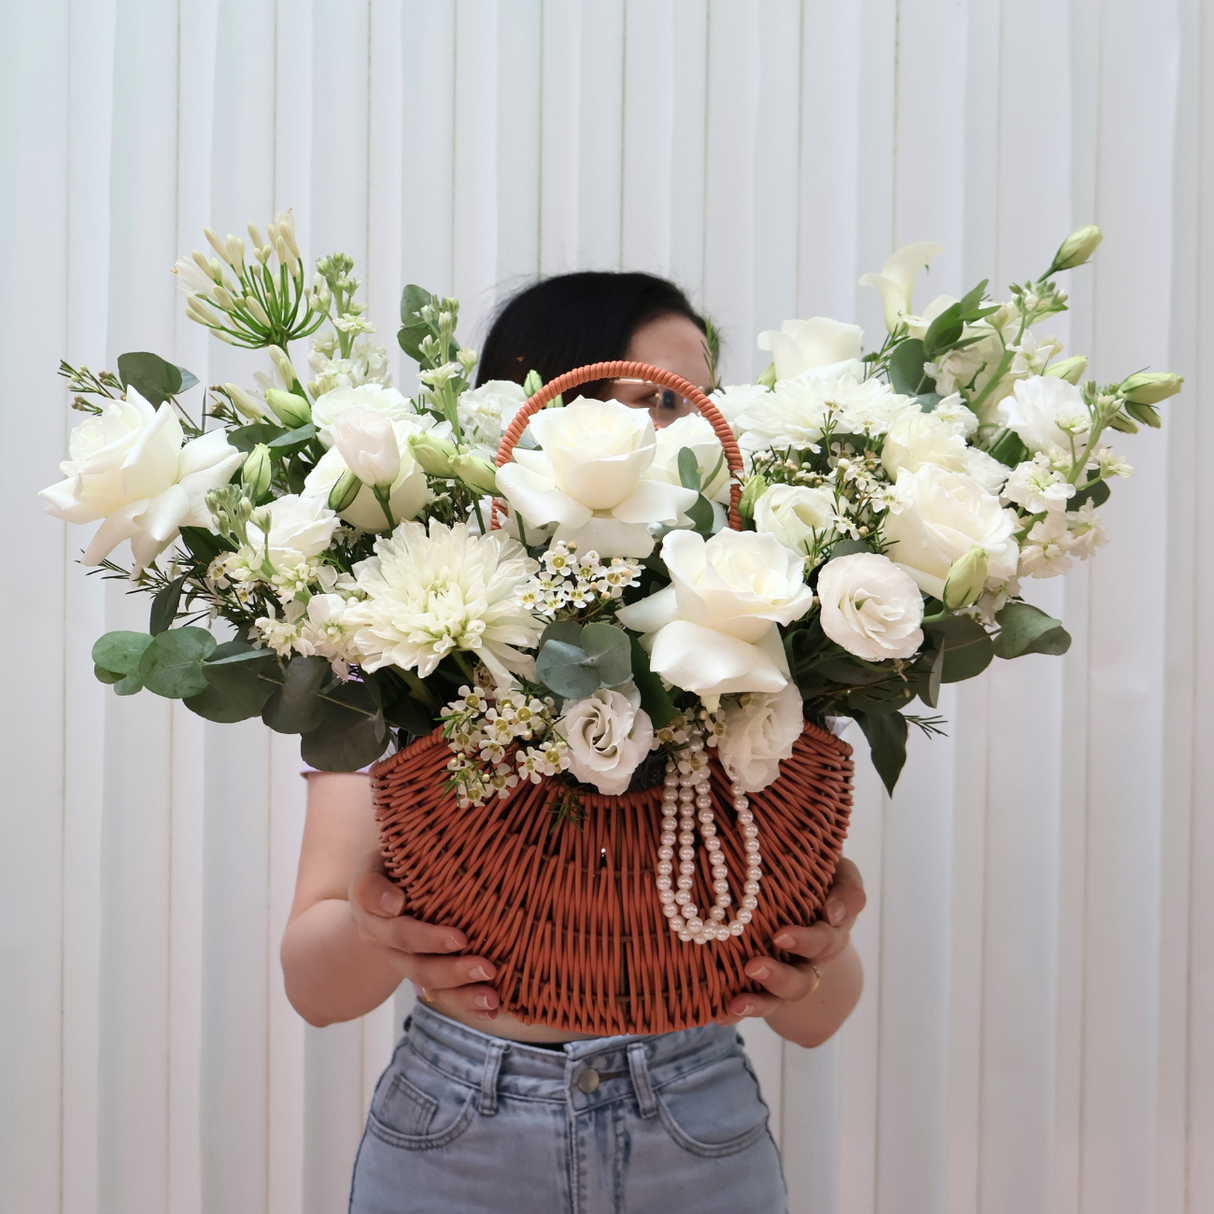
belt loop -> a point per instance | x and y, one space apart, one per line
640 1079
493 1064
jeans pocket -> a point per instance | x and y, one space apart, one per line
420 1108
715 1110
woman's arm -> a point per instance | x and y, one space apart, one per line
347 947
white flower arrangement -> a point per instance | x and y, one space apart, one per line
587 603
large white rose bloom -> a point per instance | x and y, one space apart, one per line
608 735
870 607
760 730
937 517
713 629
823 347
917 438
130 466
429 594
590 478
796 515
696 433
1048 414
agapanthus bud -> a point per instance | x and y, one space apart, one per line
244 403
1070 369
255 236
235 248
436 455
1076 248
256 471
283 363
259 313
966 579
476 473
205 266
223 299
1150 387
345 490
291 410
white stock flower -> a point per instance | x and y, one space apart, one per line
796 515
696 433
821 346
937 517
1046 553
760 729
713 630
1048 414
1036 487
896 282
870 606
608 734
1087 531
485 414
130 467
955 412
589 478
429 594
367 364
374 397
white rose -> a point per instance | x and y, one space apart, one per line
916 438
939 516
760 730
1048 414
871 607
795 514
896 282
713 630
821 346
695 433
367 443
589 478
608 734
374 397
129 466
985 469
300 527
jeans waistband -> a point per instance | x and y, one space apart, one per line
612 1068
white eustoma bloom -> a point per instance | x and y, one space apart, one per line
300 527
695 433
937 517
870 607
608 734
713 630
760 730
367 443
1048 414
374 397
821 346
590 478
130 466
796 515
430 593
896 282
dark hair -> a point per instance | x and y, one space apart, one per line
574 319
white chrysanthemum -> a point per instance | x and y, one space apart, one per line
429 594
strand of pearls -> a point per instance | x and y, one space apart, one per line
689 791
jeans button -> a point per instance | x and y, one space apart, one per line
588 1080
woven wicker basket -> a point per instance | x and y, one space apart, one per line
570 916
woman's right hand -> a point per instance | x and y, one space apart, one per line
423 950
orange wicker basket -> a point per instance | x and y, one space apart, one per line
569 914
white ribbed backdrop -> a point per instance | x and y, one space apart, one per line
1037 1031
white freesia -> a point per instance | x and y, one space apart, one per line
589 478
373 397
428 594
896 282
759 730
130 466
485 414
1048 414
796 515
608 734
695 433
821 346
870 606
938 516
713 629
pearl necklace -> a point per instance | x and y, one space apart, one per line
689 791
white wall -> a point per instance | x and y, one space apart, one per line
1037 1033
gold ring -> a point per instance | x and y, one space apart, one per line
817 978
425 998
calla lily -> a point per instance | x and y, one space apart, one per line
896 282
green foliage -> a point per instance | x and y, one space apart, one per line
1009 450
573 666
204 545
152 377
296 706
965 645
171 665
241 679
120 652
1024 628
351 732
413 329
906 368
1096 493
886 736
165 604
655 699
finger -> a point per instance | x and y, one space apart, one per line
784 981
377 895
819 942
750 1005
481 1001
445 973
411 935
846 897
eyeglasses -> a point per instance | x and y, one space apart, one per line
664 404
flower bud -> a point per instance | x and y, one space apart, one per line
1076 249
258 312
255 236
533 383
1147 414
283 363
754 489
244 403
345 489
235 248
966 579
1150 387
291 410
476 473
205 266
367 442
436 455
223 299
768 378
466 358
256 472
1070 369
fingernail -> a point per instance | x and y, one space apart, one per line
784 940
484 1001
836 912
487 1015
479 973
389 900
760 972
454 943
744 1008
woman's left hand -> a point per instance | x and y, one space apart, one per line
815 945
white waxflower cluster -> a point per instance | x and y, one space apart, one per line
314 629
570 580
500 737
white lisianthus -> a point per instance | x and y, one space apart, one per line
130 466
713 629
485 414
1037 487
589 478
820 346
938 516
1048 414
917 438
796 515
429 594
300 527
608 734
373 397
896 282
696 433
759 730
367 443
871 607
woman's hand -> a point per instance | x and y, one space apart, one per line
422 949
823 970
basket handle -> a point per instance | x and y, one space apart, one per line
632 370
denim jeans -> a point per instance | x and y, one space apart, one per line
465 1123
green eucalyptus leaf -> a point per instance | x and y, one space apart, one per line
567 670
164 606
701 514
847 546
292 440
188 379
655 699
1024 628
129 685
569 631
609 652
413 330
150 375
886 736
171 665
107 676
351 733
242 677
296 706
410 715
943 331
966 645
1008 449
689 469
929 685
928 400
120 652
231 703
245 438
